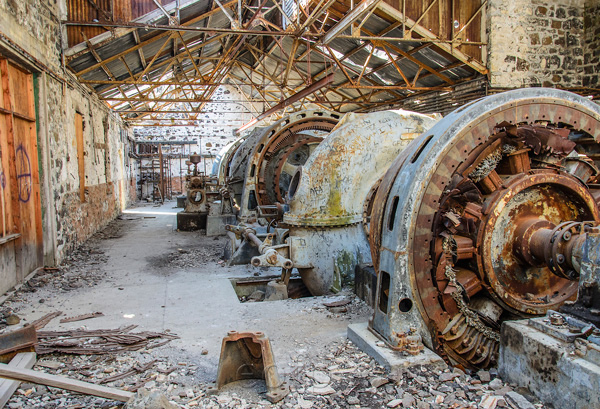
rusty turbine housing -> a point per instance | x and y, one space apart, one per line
482 219
264 162
325 220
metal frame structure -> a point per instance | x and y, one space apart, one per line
378 53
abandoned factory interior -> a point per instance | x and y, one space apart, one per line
300 204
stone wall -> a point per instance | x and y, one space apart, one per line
536 43
30 35
108 169
591 56
215 126
33 25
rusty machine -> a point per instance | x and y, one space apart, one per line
264 163
260 167
484 219
322 233
208 205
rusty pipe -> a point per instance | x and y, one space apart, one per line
246 233
268 254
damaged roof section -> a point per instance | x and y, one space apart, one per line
380 53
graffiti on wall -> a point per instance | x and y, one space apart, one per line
23 174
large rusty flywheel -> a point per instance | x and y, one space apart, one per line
475 222
288 145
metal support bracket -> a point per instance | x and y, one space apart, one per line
248 355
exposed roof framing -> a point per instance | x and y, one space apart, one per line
171 56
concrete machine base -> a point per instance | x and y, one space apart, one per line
555 362
391 360
215 225
191 221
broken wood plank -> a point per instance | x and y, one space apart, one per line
23 360
64 383
81 317
137 368
42 322
21 340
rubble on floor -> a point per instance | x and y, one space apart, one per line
320 374
344 377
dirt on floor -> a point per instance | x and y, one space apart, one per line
320 375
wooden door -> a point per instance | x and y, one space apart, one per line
21 225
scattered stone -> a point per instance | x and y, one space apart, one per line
304 404
257 296
484 376
394 403
408 401
319 377
204 352
488 402
353 400
12 319
321 390
224 399
146 399
496 384
379 381
448 376
517 401
49 364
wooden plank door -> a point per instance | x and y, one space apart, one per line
20 147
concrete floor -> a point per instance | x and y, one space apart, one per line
199 304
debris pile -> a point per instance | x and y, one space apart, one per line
197 256
102 341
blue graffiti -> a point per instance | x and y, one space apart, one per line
23 174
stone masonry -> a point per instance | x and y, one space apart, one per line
30 35
536 43
591 56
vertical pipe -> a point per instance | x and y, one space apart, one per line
161 182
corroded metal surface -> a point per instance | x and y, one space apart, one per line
265 149
222 163
336 179
248 355
326 239
454 221
236 171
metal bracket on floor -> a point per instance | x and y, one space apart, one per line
248 355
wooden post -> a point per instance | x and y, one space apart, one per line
80 155
23 360
62 382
